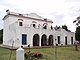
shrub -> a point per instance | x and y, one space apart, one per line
32 56
37 55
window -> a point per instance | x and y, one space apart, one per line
24 39
71 40
51 28
20 24
34 25
45 27
66 40
58 39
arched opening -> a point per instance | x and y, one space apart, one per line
36 40
44 40
50 41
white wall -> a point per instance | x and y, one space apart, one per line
12 31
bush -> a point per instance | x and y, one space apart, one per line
37 55
32 56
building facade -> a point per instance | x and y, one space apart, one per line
31 29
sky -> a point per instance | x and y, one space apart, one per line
61 12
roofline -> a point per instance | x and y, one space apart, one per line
26 17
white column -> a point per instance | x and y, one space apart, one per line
40 41
20 54
56 40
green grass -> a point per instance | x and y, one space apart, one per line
5 54
62 53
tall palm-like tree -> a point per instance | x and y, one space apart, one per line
77 21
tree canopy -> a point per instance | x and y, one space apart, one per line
77 34
66 28
77 21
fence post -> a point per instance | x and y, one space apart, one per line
20 54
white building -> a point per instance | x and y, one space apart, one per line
33 30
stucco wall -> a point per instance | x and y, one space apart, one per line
13 32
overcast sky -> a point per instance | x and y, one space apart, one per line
60 11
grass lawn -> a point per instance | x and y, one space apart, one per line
62 53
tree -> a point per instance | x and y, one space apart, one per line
66 28
77 34
77 21
1 35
